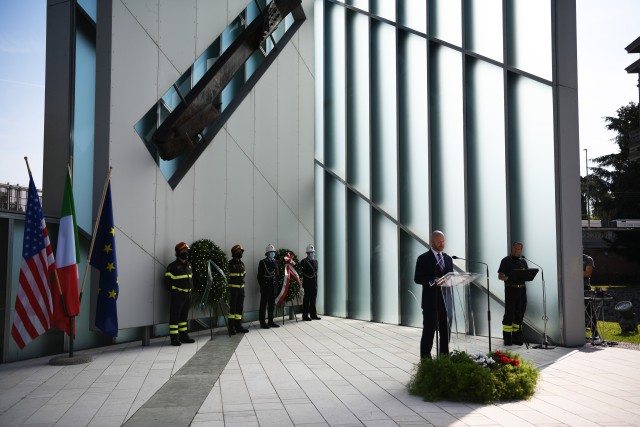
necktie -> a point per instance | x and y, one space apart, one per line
440 262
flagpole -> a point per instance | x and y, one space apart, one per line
72 319
95 230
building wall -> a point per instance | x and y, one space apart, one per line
253 185
457 116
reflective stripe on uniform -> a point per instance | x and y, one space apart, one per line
516 328
179 289
173 329
231 285
237 274
182 276
182 326
507 328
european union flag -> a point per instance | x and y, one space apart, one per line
104 259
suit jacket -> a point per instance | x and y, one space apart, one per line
427 271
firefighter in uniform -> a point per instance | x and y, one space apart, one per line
178 279
236 291
267 279
310 285
515 296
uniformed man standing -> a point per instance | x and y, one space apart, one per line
236 291
310 285
515 296
268 278
178 279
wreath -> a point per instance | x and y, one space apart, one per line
202 251
294 286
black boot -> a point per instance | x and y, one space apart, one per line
175 340
273 324
306 318
506 336
231 326
186 339
518 339
239 328
264 325
315 317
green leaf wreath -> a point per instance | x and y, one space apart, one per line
480 378
294 287
201 252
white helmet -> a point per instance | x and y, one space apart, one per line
310 248
269 248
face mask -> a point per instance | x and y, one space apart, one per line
271 255
184 256
311 255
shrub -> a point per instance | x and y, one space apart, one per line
483 378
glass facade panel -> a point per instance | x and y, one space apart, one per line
413 14
359 252
532 191
360 4
91 7
410 292
414 134
384 181
84 124
384 256
529 33
446 137
487 177
384 8
335 247
483 29
447 148
334 111
358 96
445 21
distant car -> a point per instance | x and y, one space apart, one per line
595 223
625 223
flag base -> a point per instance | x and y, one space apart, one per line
73 360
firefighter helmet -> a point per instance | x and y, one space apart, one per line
180 247
269 248
236 248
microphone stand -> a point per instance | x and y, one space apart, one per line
488 295
544 345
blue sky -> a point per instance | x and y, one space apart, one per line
605 28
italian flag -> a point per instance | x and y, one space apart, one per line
67 257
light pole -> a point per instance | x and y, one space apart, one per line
586 165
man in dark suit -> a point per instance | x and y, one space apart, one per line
431 266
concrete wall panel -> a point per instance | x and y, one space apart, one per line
210 199
177 21
146 13
306 38
135 278
211 20
241 125
167 75
287 227
305 147
288 127
266 129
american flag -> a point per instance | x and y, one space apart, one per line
34 310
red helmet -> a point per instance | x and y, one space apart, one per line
181 246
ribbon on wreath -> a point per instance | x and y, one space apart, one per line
205 297
289 272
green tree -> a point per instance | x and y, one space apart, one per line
614 184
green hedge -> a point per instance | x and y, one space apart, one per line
483 378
